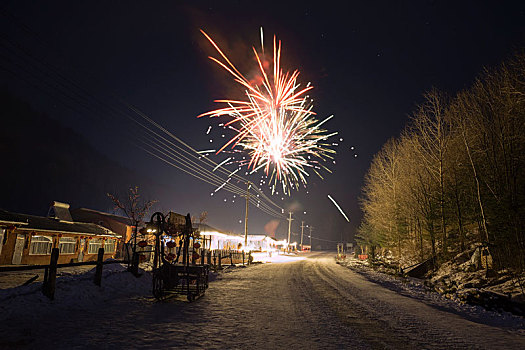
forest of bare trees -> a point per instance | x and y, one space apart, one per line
455 177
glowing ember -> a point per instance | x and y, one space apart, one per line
275 124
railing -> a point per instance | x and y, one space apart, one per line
215 258
231 256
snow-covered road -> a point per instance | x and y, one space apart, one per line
311 304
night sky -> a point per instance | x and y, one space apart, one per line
370 63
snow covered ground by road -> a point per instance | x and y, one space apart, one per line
416 289
276 258
310 303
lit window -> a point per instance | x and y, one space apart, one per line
109 246
40 245
93 246
67 245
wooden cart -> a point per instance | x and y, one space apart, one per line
171 279
174 278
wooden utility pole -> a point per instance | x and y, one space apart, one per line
289 228
50 275
248 185
100 264
311 229
302 229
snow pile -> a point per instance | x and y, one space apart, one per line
457 279
74 291
459 274
423 291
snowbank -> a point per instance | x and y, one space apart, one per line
75 291
419 289
457 279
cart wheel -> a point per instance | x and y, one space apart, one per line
158 286
191 297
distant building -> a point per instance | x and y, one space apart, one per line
28 239
261 243
216 239
122 226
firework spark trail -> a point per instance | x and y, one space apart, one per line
275 125
221 163
207 151
236 170
338 207
221 186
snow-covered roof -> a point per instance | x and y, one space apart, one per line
46 224
87 215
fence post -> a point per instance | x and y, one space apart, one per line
98 271
249 257
135 264
231 258
48 288
220 260
243 258
209 257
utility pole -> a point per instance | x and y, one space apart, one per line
248 185
311 229
289 228
302 229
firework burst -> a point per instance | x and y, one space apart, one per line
275 124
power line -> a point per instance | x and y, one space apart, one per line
182 156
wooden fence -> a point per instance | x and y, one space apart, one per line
218 257
214 258
50 271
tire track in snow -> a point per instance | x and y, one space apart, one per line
423 325
348 310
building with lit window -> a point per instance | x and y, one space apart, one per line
28 239
120 225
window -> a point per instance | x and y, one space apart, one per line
67 245
2 235
93 245
109 247
40 245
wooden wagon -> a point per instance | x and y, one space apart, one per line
174 278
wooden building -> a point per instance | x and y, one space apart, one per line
28 239
120 225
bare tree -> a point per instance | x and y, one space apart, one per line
133 207
203 217
456 175
431 131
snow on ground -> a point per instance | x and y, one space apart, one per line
274 257
457 278
17 278
310 303
416 288
461 278
75 291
